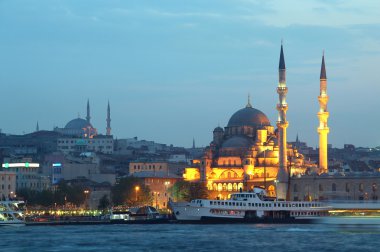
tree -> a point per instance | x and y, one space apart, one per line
187 191
104 203
132 192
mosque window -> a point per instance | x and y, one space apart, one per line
320 187
235 175
295 188
347 187
229 174
361 187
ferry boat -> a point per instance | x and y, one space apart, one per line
142 215
12 213
248 207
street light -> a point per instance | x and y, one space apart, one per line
167 183
86 192
137 188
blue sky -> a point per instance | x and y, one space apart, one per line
174 70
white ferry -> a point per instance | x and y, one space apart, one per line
250 207
12 213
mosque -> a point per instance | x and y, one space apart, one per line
250 152
82 128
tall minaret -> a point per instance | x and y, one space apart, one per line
37 127
323 115
88 117
282 124
108 119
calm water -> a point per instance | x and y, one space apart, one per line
177 237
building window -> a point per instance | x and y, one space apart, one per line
320 188
361 187
295 188
347 187
333 187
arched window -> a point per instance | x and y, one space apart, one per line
235 175
240 186
229 187
229 175
361 187
215 187
333 187
224 187
235 188
220 187
295 188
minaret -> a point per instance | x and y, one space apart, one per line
37 127
108 119
282 124
193 143
323 115
88 117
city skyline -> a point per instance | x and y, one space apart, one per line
173 72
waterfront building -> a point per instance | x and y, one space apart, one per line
336 186
7 184
28 174
158 182
98 143
157 166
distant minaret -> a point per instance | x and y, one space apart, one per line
108 119
88 117
323 115
282 124
193 143
37 127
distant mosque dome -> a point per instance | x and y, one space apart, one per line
78 123
248 116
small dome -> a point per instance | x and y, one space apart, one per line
237 142
78 123
248 116
218 129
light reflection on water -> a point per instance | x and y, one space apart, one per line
179 237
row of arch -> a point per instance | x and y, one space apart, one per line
225 187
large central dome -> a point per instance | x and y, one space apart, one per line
248 116
78 123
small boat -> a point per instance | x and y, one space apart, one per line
142 215
248 207
12 213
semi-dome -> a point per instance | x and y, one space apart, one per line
78 123
248 116
237 142
218 129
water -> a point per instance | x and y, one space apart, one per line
177 237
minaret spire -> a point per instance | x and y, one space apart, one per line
249 105
193 143
282 124
108 119
88 117
323 115
37 127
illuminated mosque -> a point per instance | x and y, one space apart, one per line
250 152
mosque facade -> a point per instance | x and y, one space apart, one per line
250 152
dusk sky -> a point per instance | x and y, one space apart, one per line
173 70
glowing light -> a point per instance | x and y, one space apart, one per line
57 165
27 165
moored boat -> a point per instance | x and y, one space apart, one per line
12 213
248 207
